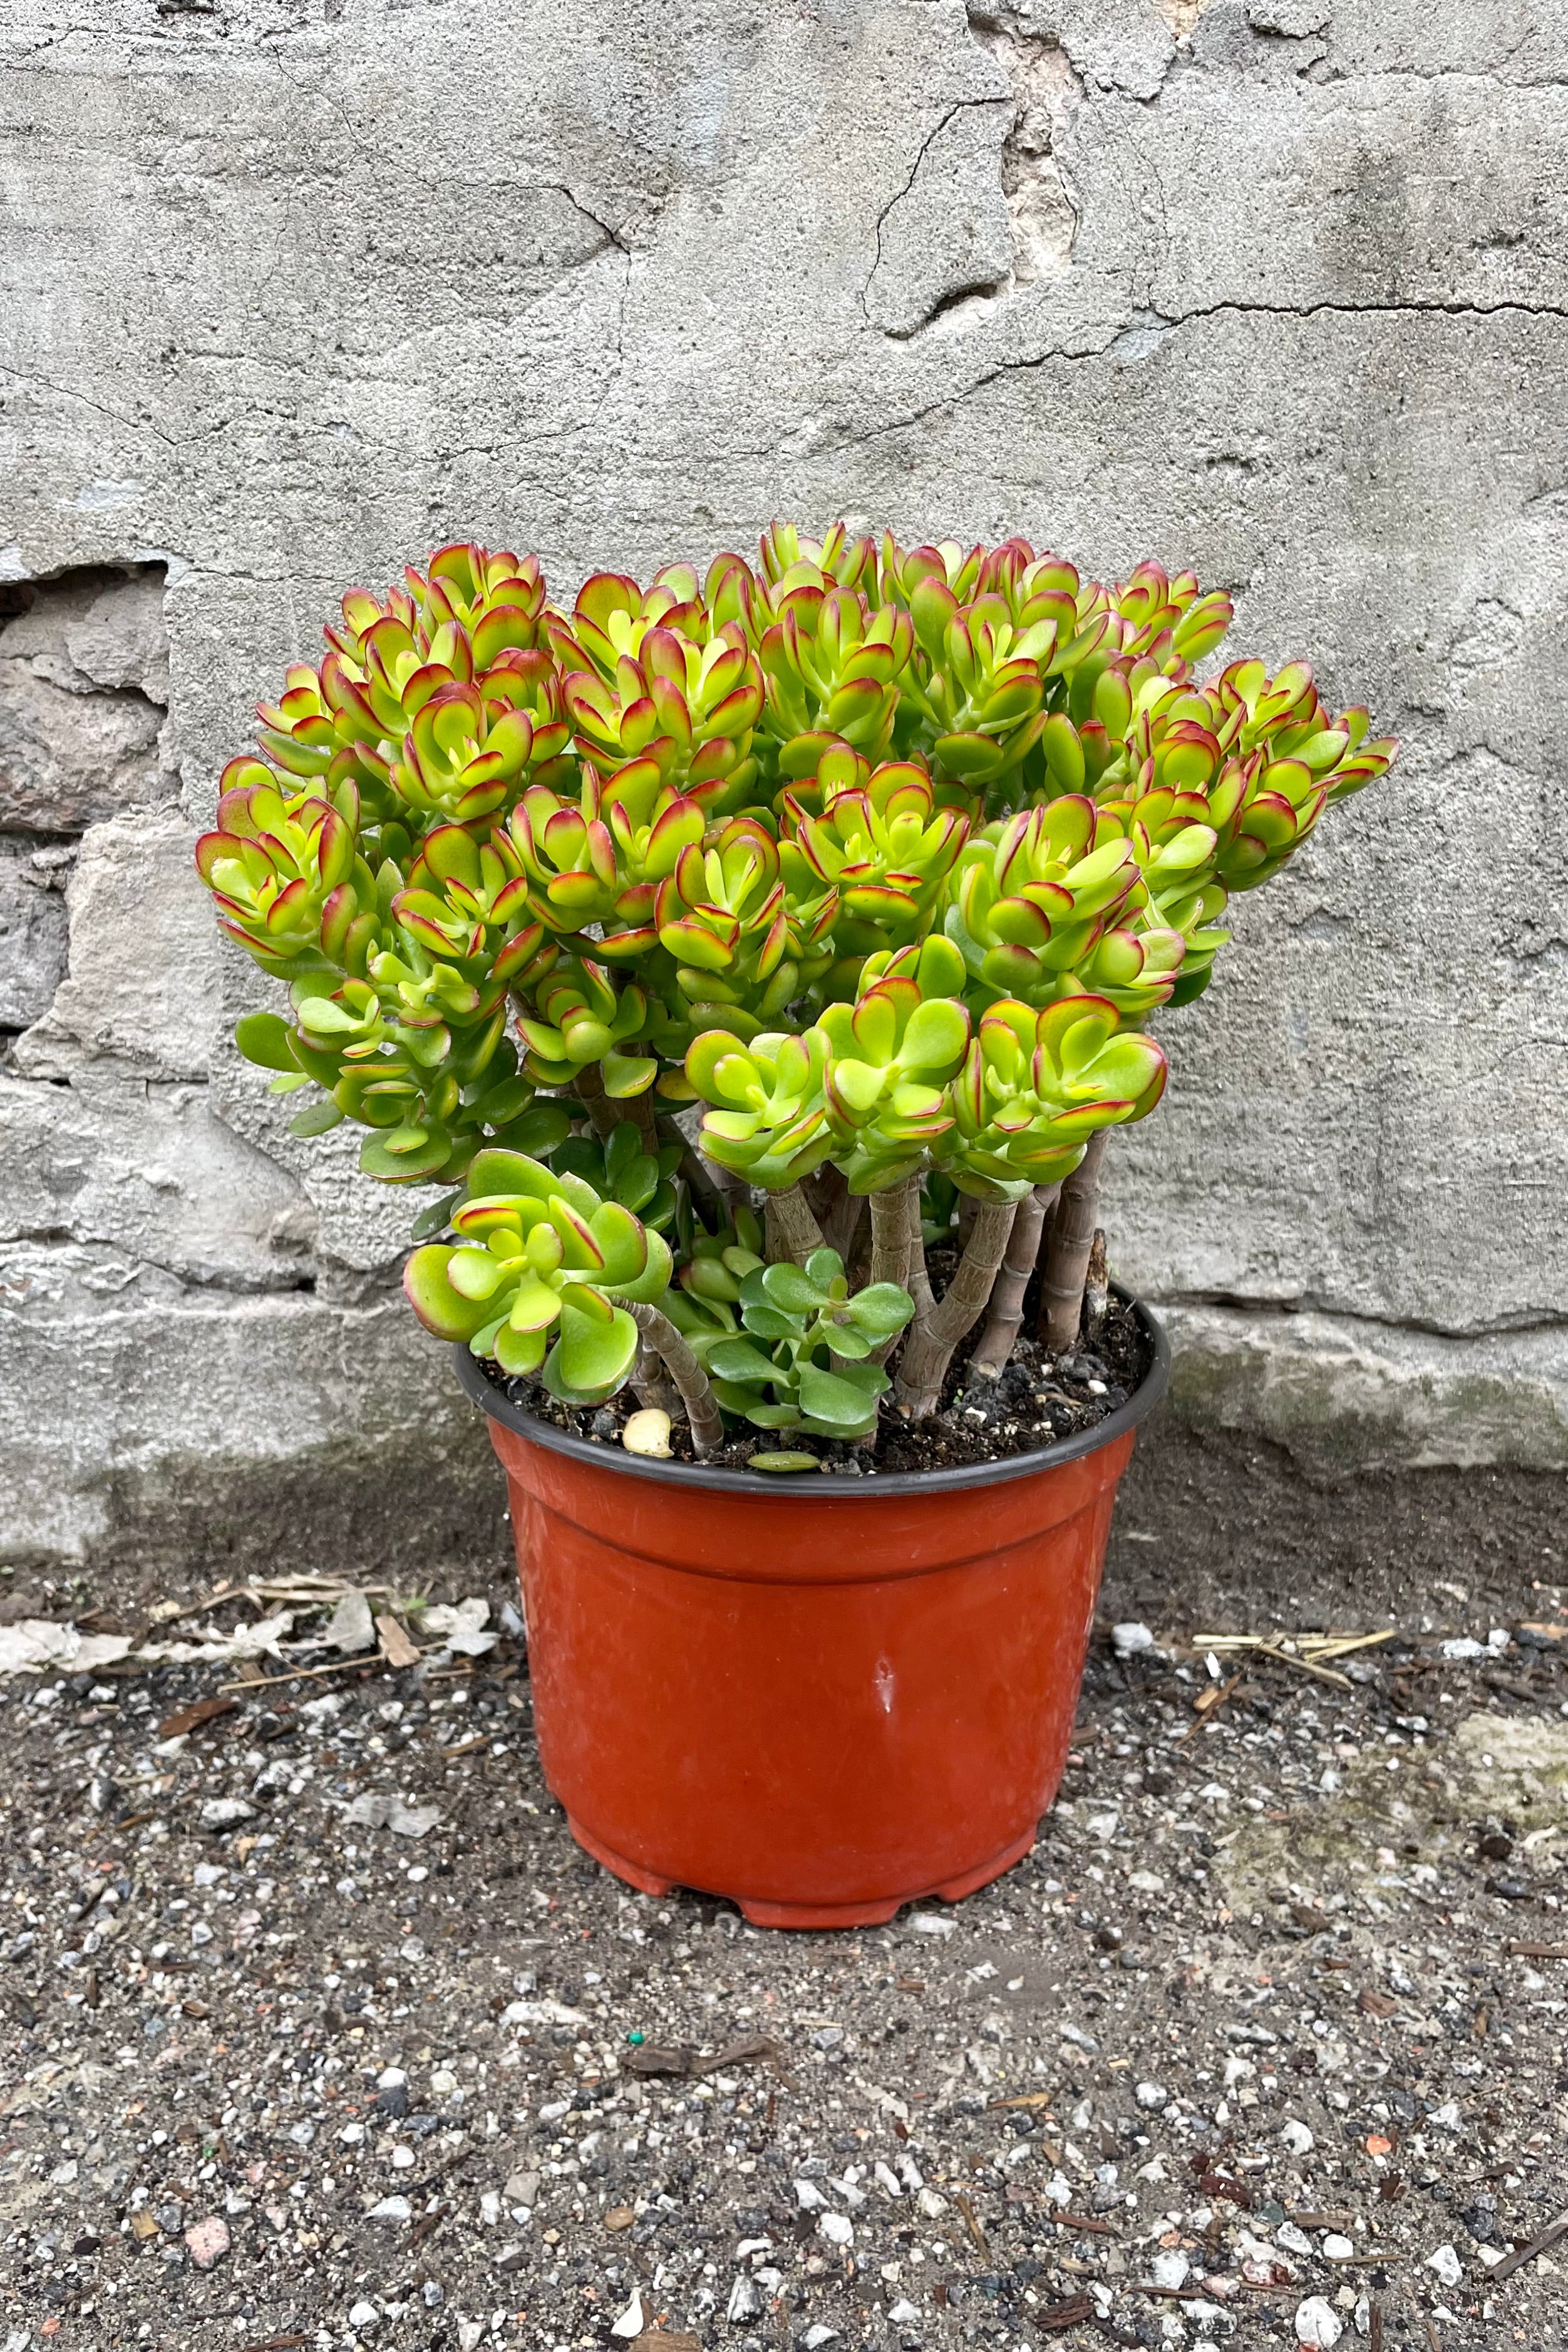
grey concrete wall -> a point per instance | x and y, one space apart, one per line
293 291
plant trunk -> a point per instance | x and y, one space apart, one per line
890 1247
651 1383
890 1236
927 1350
792 1231
1068 1252
662 1339
698 1175
824 1194
845 1229
993 1355
604 1115
644 1115
917 1281
1097 1286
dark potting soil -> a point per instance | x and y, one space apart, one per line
1038 1399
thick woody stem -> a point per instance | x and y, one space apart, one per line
917 1281
699 1174
606 1115
1097 1286
651 1386
792 1231
1067 1251
890 1247
660 1336
890 1236
842 1231
643 1113
927 1350
825 1193
992 1356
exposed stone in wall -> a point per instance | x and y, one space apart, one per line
1046 91
32 928
1276 288
144 956
84 680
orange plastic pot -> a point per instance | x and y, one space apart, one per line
822 1698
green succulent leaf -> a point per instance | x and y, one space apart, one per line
263 1038
736 1359
435 1217
316 1118
440 1308
591 1360
881 1308
832 1398
377 1158
788 1287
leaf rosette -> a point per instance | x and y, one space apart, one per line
539 1277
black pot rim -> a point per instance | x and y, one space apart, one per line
758 1485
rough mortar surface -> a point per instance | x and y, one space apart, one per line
296 290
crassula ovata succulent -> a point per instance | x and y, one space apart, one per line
886 863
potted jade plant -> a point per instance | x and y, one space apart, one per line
750 968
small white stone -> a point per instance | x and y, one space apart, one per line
903 2314
225 1814
838 2229
745 2298
364 2315
403 2160
1297 2138
390 2208
1128 1640
1337 2249
1448 2265
809 2196
1317 2323
1151 2097
630 2322
647 1431
1171 2268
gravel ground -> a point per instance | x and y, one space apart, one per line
1263 2046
